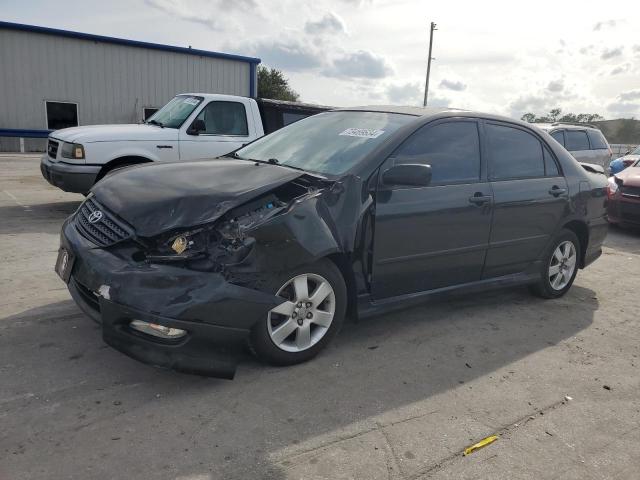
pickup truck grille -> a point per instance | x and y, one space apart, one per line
630 191
99 225
52 148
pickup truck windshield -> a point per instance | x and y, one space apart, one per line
331 142
174 113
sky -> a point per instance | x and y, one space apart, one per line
505 57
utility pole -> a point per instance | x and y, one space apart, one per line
426 86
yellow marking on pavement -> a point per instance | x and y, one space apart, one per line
482 443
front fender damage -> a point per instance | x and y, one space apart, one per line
324 221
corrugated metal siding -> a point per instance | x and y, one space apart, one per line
110 83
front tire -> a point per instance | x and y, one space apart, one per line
559 266
311 315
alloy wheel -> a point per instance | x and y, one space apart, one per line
562 265
305 316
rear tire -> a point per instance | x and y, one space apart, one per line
314 310
559 266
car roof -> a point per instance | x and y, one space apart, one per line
425 112
565 126
403 109
211 96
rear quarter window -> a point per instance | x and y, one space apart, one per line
576 140
597 140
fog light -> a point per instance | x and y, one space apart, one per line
157 330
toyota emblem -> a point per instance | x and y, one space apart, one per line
95 216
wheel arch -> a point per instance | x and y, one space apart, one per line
341 261
582 232
123 160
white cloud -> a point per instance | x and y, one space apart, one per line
608 53
361 64
330 23
556 86
629 96
454 85
405 93
606 24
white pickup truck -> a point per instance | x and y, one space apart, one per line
191 126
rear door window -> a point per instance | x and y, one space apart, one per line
597 140
559 136
576 140
451 148
513 153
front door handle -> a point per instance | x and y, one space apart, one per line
479 199
557 191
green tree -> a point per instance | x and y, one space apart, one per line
554 113
273 84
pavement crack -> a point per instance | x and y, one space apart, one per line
394 456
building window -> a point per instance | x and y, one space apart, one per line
147 112
61 115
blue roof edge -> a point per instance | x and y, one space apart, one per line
123 41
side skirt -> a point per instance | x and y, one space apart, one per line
368 307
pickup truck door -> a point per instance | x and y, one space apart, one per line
229 124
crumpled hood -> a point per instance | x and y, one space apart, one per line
630 176
155 198
114 133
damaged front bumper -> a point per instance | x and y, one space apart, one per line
115 290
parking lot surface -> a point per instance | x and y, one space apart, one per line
399 396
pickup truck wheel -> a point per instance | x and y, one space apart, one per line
559 266
311 315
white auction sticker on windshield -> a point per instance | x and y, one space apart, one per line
362 132
191 101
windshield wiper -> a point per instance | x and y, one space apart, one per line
155 122
271 161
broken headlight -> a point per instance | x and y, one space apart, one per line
180 246
225 242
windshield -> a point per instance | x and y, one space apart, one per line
636 151
174 113
331 142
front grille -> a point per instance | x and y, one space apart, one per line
99 225
52 148
630 191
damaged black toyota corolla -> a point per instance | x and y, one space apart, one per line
355 211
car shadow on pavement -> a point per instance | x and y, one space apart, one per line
66 395
42 217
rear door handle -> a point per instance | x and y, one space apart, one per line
557 191
479 199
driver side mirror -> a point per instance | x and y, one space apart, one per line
196 127
410 174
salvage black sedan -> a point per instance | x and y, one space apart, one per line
357 211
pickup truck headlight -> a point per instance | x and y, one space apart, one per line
72 150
